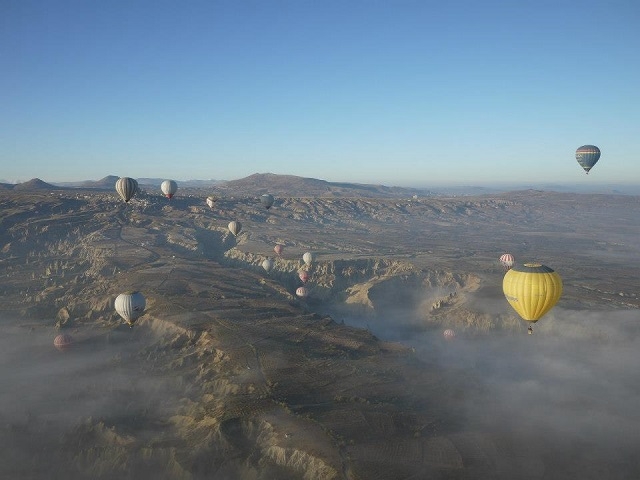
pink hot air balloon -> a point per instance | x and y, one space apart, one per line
507 261
302 292
278 249
449 334
304 276
63 341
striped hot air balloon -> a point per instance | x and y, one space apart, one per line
587 156
507 261
449 334
126 188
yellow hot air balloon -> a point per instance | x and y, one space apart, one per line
532 290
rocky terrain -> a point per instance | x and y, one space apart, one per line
229 375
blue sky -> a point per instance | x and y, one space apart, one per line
412 93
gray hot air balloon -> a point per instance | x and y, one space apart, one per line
268 265
130 306
267 200
587 156
235 227
308 258
169 188
126 188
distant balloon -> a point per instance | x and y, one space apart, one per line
308 258
449 334
302 292
532 290
587 156
126 188
507 261
169 188
63 341
130 306
268 265
211 201
235 227
278 249
303 275
267 200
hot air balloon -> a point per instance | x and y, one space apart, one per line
126 188
211 201
267 265
449 334
302 292
532 290
587 156
303 275
63 341
169 188
267 200
507 261
308 258
278 249
130 306
235 227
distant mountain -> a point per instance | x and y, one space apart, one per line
35 184
294 186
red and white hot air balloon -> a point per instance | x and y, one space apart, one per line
507 261
169 188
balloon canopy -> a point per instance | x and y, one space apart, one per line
532 290
587 156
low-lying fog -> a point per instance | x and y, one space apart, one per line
565 399
568 396
50 400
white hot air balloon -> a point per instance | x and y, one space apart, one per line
302 292
130 306
235 227
308 258
211 201
169 188
268 265
126 188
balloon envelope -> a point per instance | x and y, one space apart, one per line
449 334
169 188
267 200
278 249
304 276
211 201
267 265
507 260
308 258
126 188
532 290
130 306
63 341
235 227
302 292
587 156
